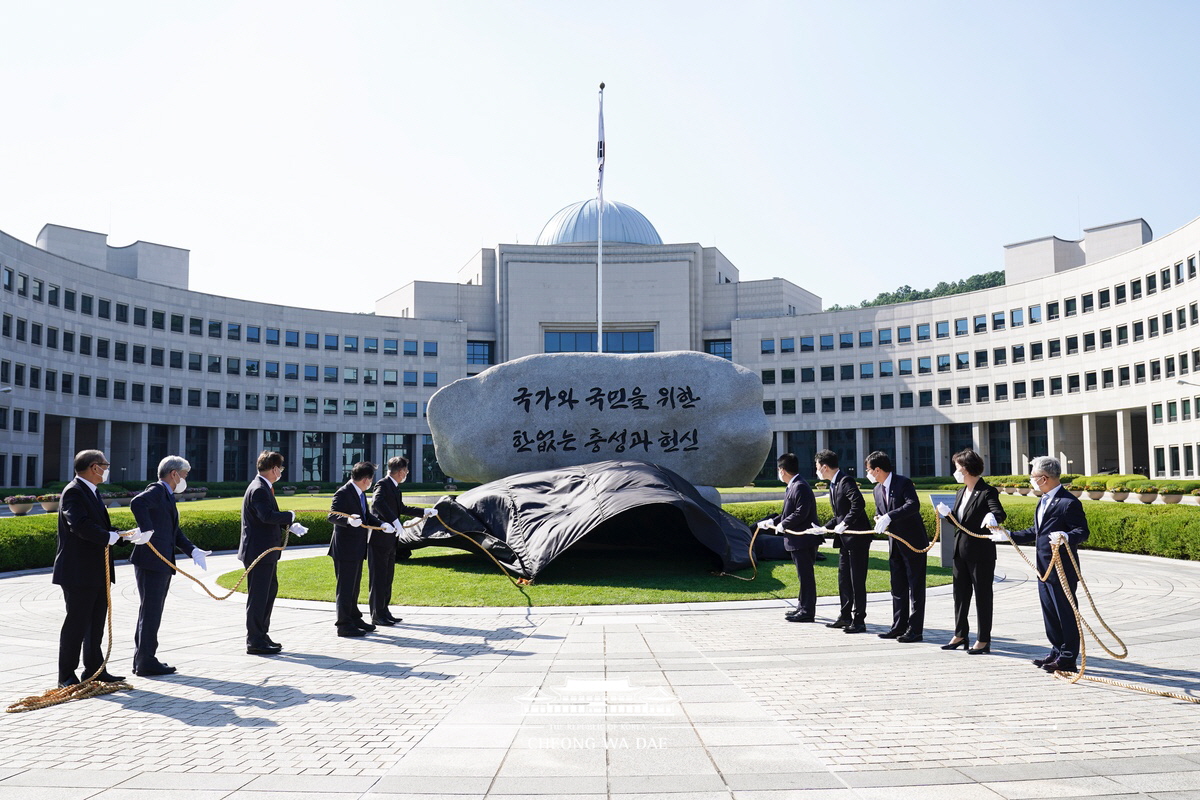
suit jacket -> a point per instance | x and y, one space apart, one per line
349 543
387 503
904 508
984 499
799 513
262 522
1063 513
848 506
83 533
155 510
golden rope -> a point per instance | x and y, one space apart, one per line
89 687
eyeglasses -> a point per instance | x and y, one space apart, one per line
102 464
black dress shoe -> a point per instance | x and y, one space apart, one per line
396 620
857 627
1060 665
910 637
363 625
272 643
71 681
892 634
801 618
1046 659
981 651
107 677
955 645
263 649
351 633
838 623
382 621
157 669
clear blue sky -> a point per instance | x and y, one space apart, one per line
325 154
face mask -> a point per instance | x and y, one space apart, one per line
958 476
104 477
871 477
181 487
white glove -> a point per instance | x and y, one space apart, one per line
354 521
387 528
429 512
293 513
1000 535
766 524
881 523
297 529
199 556
990 521
138 536
1058 537
943 509
113 536
839 528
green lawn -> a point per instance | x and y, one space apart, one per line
437 576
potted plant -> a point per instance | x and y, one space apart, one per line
1170 493
1119 492
109 499
20 504
49 502
1146 493
1095 490
312 489
1022 487
287 490
1076 489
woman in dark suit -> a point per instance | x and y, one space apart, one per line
976 506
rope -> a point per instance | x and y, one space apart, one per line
89 687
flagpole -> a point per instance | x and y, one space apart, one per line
600 231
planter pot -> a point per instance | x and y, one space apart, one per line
1147 498
1171 498
1076 492
52 506
288 490
1096 495
20 509
1023 490
1120 496
124 501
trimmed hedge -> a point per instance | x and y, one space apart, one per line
30 542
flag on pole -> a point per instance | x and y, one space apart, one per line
600 148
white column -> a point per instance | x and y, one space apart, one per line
1124 442
860 446
981 441
940 456
216 454
175 440
822 440
141 446
335 468
416 459
901 464
780 442
104 436
1053 436
1089 443
66 450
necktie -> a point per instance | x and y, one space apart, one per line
1041 509
362 501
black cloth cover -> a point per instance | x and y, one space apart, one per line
529 519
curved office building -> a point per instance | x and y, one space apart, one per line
1090 352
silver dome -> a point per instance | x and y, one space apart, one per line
576 224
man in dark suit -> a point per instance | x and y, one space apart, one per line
155 511
848 514
387 503
799 514
898 511
84 532
1058 519
262 529
348 547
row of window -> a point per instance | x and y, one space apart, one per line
1177 411
965 395
18 419
980 323
962 361
1161 455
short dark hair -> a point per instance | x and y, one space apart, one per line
269 459
970 461
788 463
397 463
363 469
84 460
826 458
879 460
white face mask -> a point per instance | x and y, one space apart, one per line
181 486
871 477
104 477
958 476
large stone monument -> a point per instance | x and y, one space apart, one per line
695 414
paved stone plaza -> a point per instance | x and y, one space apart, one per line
697 702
